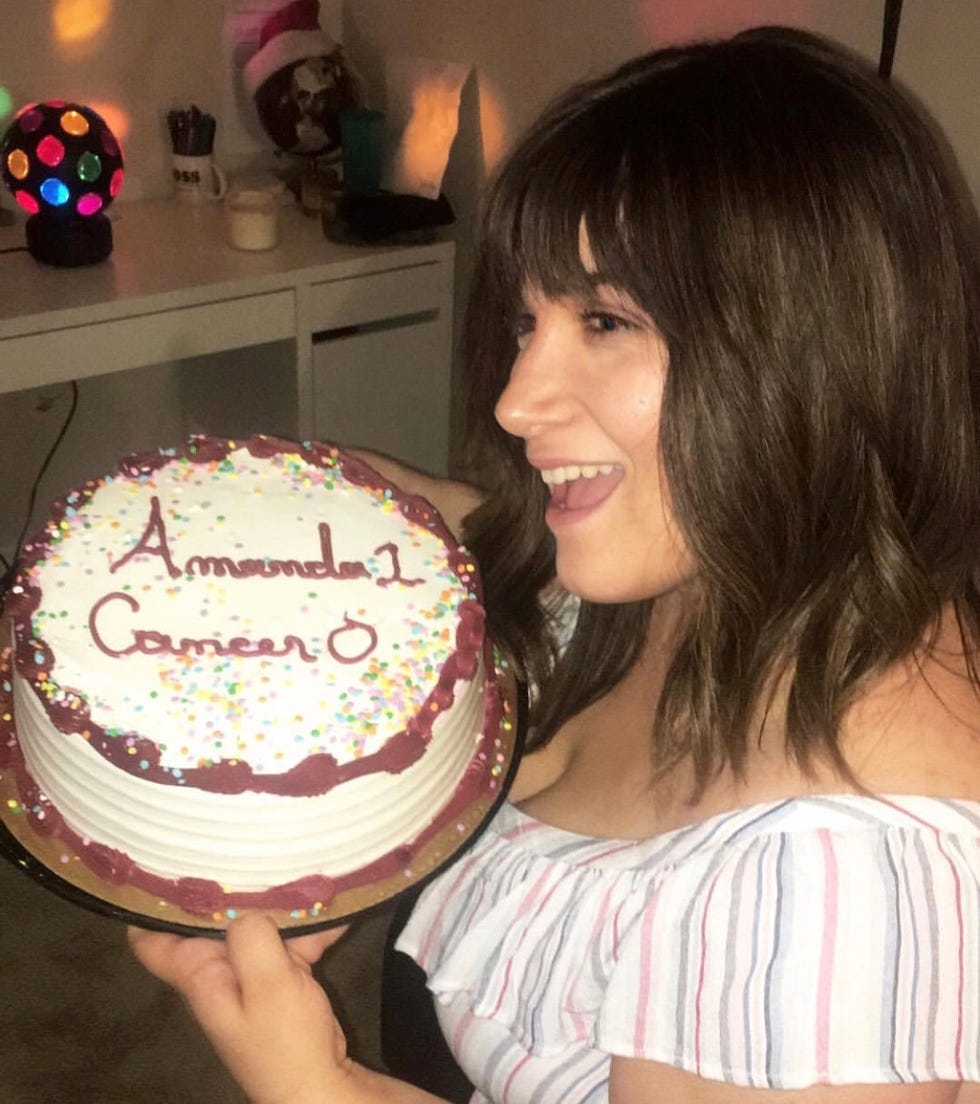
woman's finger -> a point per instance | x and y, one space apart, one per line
198 969
172 958
258 957
310 948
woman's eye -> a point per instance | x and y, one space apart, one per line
523 328
605 322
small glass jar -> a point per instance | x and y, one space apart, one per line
252 208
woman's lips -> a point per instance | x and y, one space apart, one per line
580 489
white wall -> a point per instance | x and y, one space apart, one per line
523 52
937 58
136 58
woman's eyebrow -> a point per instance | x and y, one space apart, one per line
605 288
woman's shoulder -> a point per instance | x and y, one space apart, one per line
914 729
918 729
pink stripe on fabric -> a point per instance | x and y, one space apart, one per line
646 969
701 972
959 958
577 1018
579 1022
602 913
519 830
435 927
960 950
503 989
465 1021
513 1073
528 902
825 979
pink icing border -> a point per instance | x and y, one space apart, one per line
318 773
205 898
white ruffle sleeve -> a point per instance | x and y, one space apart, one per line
816 940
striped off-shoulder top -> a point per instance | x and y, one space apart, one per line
821 939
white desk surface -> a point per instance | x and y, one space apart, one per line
167 256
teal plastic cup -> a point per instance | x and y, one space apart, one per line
361 143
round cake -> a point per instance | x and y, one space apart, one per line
248 674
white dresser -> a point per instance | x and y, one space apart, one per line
371 325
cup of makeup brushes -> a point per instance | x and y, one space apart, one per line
196 177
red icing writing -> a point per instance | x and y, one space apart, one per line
348 626
396 567
324 568
153 542
349 643
150 642
154 528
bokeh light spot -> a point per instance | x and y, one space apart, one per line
51 151
72 122
55 192
75 21
89 204
117 120
28 202
30 119
89 167
18 164
493 127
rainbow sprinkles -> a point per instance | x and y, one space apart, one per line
234 650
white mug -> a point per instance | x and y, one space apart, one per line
198 179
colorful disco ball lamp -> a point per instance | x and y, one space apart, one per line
64 167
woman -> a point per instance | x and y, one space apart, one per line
727 315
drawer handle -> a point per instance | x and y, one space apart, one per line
340 332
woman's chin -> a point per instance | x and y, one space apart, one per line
603 589
610 582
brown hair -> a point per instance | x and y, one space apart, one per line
801 238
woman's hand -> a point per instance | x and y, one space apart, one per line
256 999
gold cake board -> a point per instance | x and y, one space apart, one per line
48 860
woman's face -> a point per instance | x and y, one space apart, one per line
585 394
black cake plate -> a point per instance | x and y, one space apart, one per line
49 862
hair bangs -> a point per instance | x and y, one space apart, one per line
562 225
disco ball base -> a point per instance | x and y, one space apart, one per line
69 243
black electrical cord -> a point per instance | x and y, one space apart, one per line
889 37
10 567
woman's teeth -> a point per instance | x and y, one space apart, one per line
569 473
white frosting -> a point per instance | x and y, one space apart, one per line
249 841
109 577
271 711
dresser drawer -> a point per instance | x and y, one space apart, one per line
75 352
388 388
380 296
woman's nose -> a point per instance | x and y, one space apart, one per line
536 393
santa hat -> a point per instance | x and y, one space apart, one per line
289 35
